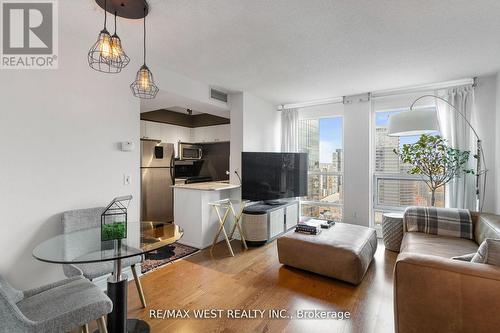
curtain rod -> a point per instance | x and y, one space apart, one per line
384 93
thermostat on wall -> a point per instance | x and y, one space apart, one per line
127 146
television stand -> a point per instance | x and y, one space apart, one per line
274 202
266 220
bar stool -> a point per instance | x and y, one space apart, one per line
223 208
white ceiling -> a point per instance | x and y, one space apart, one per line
296 50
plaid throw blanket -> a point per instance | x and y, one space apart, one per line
450 222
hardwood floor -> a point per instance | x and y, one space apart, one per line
254 279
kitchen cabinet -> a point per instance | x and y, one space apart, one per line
165 133
217 133
174 134
151 130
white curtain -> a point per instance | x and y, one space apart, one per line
290 130
460 192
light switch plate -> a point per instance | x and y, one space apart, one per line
127 179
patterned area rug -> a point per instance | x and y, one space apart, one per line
165 255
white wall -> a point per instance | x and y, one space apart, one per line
261 125
236 136
357 175
321 111
255 126
59 131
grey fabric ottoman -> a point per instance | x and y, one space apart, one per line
343 252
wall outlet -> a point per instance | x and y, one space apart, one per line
127 179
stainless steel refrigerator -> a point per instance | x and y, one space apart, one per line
157 177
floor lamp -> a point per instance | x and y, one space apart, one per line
425 121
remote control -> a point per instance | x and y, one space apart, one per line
328 224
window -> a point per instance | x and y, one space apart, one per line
322 139
394 189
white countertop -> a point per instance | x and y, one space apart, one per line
207 186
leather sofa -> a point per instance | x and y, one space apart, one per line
434 293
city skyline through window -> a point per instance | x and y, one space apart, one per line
322 139
394 187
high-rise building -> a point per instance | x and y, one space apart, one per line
385 158
323 186
337 166
386 161
338 160
309 141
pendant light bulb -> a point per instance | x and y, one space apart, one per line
118 59
144 85
116 47
104 43
144 79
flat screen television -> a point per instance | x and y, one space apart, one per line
273 176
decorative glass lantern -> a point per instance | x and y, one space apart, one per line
114 219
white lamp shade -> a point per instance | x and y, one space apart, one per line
413 122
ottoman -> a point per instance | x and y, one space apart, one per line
342 252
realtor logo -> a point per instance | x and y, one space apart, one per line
29 34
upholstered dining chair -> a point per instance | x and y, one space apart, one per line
62 306
80 219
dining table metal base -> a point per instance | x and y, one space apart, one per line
117 321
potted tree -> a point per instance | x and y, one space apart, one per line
435 161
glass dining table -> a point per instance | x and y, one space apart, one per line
85 246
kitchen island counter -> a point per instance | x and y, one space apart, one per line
193 213
207 186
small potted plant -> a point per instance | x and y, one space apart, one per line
114 219
435 161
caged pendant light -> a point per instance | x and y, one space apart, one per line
144 86
118 60
100 53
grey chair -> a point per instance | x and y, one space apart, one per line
58 307
81 219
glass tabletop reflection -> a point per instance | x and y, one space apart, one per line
85 246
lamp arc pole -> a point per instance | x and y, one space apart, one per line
479 152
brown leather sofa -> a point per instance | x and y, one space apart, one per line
434 293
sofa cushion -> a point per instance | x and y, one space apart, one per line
448 222
487 226
488 252
446 247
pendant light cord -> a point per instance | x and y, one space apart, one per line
105 10
145 7
115 22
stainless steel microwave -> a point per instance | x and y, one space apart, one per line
188 151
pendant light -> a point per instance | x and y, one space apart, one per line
118 59
144 85
100 53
